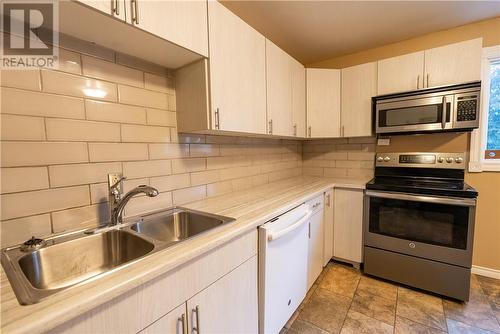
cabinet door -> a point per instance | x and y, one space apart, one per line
229 305
323 103
400 74
181 22
237 72
454 63
279 91
298 99
348 225
316 236
111 7
328 222
359 85
174 322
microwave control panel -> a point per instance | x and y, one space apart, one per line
467 109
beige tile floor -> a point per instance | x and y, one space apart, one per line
345 301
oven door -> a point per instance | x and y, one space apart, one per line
431 227
417 114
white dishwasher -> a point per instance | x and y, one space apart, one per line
283 252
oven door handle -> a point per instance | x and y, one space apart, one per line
422 198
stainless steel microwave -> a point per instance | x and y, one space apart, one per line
450 108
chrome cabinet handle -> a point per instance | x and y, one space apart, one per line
196 327
342 131
295 130
182 320
116 7
418 81
328 199
135 11
217 124
427 80
270 126
309 231
443 113
309 131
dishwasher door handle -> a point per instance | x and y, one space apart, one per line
281 233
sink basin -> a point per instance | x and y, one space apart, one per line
41 268
181 224
74 261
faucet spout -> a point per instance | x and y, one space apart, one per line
117 214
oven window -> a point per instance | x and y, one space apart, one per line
425 114
436 224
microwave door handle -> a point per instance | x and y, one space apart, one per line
298 223
422 198
443 113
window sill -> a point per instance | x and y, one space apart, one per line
478 167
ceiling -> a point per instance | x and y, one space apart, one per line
313 31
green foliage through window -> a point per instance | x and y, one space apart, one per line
493 141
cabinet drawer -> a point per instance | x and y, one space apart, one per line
140 307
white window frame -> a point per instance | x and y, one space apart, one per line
479 136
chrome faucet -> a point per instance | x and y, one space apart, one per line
117 202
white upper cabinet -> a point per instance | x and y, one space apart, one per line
323 102
359 84
298 99
115 8
181 22
454 63
446 65
279 91
400 74
237 72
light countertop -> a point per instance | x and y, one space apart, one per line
251 208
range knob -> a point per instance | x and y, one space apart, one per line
387 159
449 160
380 159
459 160
440 160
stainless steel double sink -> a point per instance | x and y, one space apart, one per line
75 258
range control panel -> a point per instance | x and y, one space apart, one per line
421 159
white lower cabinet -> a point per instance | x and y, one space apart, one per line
174 322
222 283
316 235
227 306
328 223
348 225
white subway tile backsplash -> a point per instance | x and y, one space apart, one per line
74 85
25 79
161 117
204 150
79 218
17 231
168 151
69 62
75 130
142 97
69 175
99 193
114 112
187 195
147 168
117 152
109 71
171 182
160 83
145 133
22 102
42 201
188 165
24 179
42 153
144 204
16 127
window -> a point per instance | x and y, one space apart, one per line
485 141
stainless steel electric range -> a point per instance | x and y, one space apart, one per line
419 222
